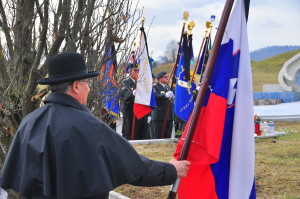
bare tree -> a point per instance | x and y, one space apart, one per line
31 31
171 50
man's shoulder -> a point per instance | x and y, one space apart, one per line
127 80
157 85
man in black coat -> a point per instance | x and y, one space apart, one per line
127 96
162 95
62 151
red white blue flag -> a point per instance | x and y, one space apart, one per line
222 150
144 101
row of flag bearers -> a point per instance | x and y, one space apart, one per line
222 149
147 100
150 125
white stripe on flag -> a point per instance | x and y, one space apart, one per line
242 151
144 82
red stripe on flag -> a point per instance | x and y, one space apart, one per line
141 110
199 182
204 151
207 140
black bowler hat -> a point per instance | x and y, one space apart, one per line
160 74
66 67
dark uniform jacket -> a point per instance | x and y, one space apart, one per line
127 102
63 151
126 96
161 103
158 114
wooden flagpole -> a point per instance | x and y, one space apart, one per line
172 74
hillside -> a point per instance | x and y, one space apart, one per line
266 71
263 72
270 51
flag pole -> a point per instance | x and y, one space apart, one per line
172 74
202 92
134 117
208 28
206 49
185 18
199 54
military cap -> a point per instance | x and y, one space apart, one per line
160 74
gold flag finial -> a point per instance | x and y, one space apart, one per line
191 25
208 24
143 16
185 15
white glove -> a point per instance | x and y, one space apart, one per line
148 119
198 87
169 94
134 92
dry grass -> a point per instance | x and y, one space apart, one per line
277 166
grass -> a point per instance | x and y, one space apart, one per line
277 166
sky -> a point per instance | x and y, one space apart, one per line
270 22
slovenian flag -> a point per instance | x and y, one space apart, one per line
144 101
222 151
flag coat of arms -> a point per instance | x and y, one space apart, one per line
222 149
144 100
184 102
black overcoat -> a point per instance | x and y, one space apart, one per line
62 150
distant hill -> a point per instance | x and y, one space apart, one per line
263 72
270 51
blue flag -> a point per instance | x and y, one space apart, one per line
204 55
110 97
184 103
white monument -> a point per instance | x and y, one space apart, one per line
289 75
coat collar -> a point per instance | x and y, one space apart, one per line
66 100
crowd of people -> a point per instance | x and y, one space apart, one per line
159 123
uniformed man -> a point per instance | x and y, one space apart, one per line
127 96
163 94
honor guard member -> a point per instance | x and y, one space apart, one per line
127 96
162 94
62 151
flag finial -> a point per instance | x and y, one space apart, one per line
190 27
143 16
186 16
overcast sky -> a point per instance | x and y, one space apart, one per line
270 22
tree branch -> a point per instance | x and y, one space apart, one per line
6 31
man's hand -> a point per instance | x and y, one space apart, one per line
134 92
181 166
